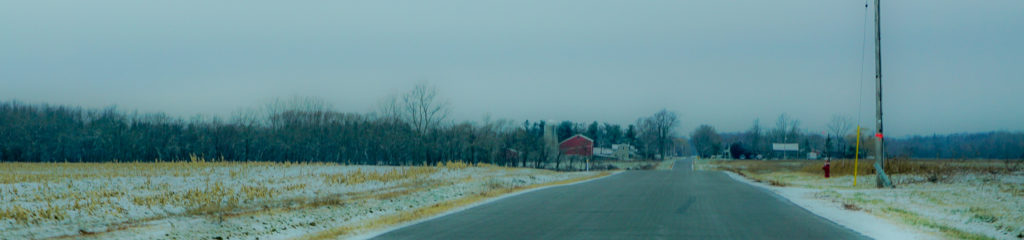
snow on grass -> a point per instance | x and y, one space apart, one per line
201 199
469 202
665 164
956 205
862 222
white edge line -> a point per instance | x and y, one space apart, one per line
373 234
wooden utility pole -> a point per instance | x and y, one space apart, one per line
882 179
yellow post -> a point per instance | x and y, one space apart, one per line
856 155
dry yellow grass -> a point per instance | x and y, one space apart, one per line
843 167
359 176
56 184
95 189
120 194
958 198
420 213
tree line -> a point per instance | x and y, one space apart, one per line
989 145
756 142
653 137
412 128
839 141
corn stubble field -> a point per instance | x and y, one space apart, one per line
954 199
199 198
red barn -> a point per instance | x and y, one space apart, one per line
577 145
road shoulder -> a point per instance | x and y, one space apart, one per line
479 202
861 222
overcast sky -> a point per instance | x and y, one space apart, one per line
949 66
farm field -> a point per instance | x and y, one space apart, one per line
952 199
201 199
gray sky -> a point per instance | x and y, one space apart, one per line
949 66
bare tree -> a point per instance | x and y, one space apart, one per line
296 110
755 137
656 132
867 145
423 109
389 109
247 121
706 141
786 129
664 125
647 137
840 125
682 146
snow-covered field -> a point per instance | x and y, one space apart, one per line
204 200
967 205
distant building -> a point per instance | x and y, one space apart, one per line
578 145
623 151
813 155
616 152
601 152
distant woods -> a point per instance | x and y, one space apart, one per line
412 128
839 141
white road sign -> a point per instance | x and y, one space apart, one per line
785 146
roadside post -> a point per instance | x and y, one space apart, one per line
856 155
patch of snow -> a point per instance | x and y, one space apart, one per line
862 222
284 214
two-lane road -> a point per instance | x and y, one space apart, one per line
677 204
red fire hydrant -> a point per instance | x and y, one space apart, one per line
826 167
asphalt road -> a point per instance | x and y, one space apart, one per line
676 204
